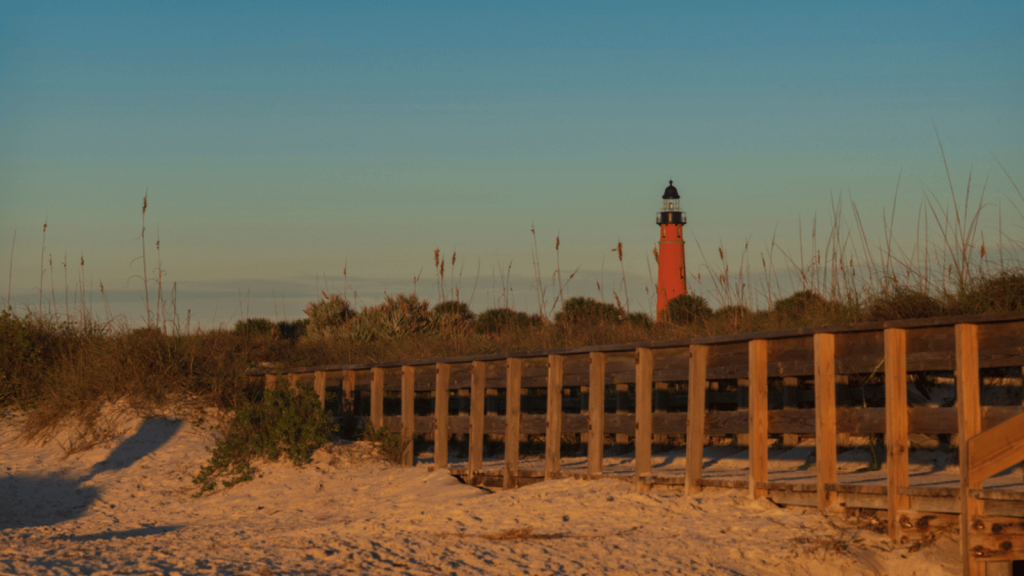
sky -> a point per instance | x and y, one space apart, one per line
287 149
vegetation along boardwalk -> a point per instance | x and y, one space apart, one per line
828 387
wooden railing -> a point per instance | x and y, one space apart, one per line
823 357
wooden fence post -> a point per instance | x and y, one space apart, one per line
968 395
897 443
320 387
621 398
595 416
553 437
376 397
441 395
695 436
408 414
348 401
825 416
790 399
477 388
513 398
644 383
757 367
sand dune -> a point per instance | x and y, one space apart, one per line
126 507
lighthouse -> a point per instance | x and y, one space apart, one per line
671 252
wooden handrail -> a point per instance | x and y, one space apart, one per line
996 449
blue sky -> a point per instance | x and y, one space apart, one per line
282 143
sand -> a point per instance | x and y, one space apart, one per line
126 506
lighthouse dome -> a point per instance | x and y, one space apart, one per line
670 192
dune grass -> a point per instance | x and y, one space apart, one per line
59 366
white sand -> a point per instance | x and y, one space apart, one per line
127 507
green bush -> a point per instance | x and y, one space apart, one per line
1001 293
292 329
27 349
801 304
640 320
282 422
586 310
254 326
903 303
391 444
398 316
329 313
686 309
497 320
452 314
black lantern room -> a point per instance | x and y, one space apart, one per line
670 209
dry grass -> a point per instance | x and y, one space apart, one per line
59 365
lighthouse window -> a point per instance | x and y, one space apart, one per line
662 231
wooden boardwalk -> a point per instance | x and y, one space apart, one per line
830 383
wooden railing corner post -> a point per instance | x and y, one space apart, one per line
643 411
595 415
553 435
825 417
757 366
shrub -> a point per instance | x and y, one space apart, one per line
391 444
801 304
27 349
640 320
903 303
292 329
329 313
686 309
586 310
281 422
398 316
1001 293
497 320
452 314
254 326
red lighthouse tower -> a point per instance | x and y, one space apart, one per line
671 248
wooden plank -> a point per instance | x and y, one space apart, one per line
376 397
968 392
513 397
723 483
408 414
476 417
757 366
790 397
348 401
644 386
424 425
996 538
320 388
1005 327
825 417
992 494
553 432
270 381
595 415
619 424
443 373
695 418
917 525
996 449
669 422
621 396
897 443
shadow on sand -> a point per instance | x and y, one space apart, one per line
27 500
